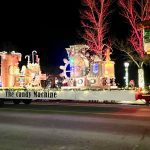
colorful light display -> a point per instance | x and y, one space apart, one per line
88 70
12 76
81 70
9 68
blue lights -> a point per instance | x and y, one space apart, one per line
95 68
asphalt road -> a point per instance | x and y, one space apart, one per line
74 127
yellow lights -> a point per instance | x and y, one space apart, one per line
12 76
108 69
148 51
147 47
9 68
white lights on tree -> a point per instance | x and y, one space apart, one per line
126 64
141 78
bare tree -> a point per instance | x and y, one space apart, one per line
136 12
94 20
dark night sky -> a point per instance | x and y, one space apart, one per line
48 28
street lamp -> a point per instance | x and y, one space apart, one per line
126 64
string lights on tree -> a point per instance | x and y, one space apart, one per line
94 20
136 12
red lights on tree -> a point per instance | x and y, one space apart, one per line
135 12
95 24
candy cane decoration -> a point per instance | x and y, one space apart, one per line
33 52
27 56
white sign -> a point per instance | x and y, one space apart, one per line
85 95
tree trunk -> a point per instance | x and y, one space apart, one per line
141 82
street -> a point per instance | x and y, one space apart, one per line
74 127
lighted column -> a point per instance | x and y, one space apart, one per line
126 64
141 77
